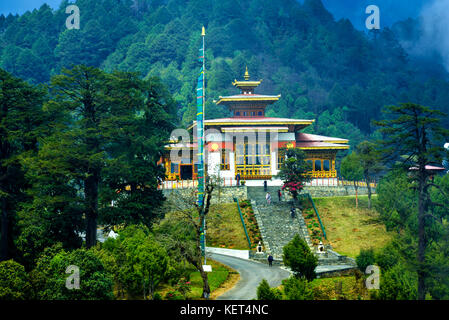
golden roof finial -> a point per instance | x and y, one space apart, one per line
246 74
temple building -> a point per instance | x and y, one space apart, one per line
250 144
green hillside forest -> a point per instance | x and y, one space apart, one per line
324 69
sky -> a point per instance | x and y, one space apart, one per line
390 10
21 6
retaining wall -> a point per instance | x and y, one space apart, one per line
219 195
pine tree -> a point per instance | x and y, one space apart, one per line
20 116
413 137
109 137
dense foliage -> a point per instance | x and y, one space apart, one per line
294 171
398 260
324 69
298 256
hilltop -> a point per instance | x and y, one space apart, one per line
324 69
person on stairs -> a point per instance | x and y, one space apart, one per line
268 197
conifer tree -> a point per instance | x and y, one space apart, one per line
413 137
20 116
108 138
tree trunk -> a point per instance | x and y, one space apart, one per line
206 288
421 239
369 191
91 194
4 236
150 288
144 293
356 195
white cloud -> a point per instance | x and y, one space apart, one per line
435 29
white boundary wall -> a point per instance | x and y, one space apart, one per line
242 254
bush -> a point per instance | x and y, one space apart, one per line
297 289
174 295
49 276
388 256
264 292
365 259
398 283
300 259
157 296
14 282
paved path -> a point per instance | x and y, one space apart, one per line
251 274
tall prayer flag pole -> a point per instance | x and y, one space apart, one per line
201 102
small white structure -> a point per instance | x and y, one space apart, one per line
207 268
259 247
112 234
320 248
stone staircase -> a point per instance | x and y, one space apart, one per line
278 228
275 223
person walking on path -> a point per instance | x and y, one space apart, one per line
279 194
268 197
270 260
293 212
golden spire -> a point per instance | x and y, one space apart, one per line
203 32
246 74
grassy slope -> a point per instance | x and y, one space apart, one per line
349 229
224 227
337 288
220 279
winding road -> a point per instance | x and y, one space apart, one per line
251 274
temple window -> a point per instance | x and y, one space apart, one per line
318 165
259 113
174 168
237 113
224 159
326 165
281 158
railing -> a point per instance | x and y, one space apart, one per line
185 184
337 182
243 223
308 197
231 182
362 183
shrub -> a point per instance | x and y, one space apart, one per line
49 276
173 295
14 282
157 296
365 259
297 289
398 283
387 257
300 259
264 292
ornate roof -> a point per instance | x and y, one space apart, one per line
256 121
307 137
249 98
